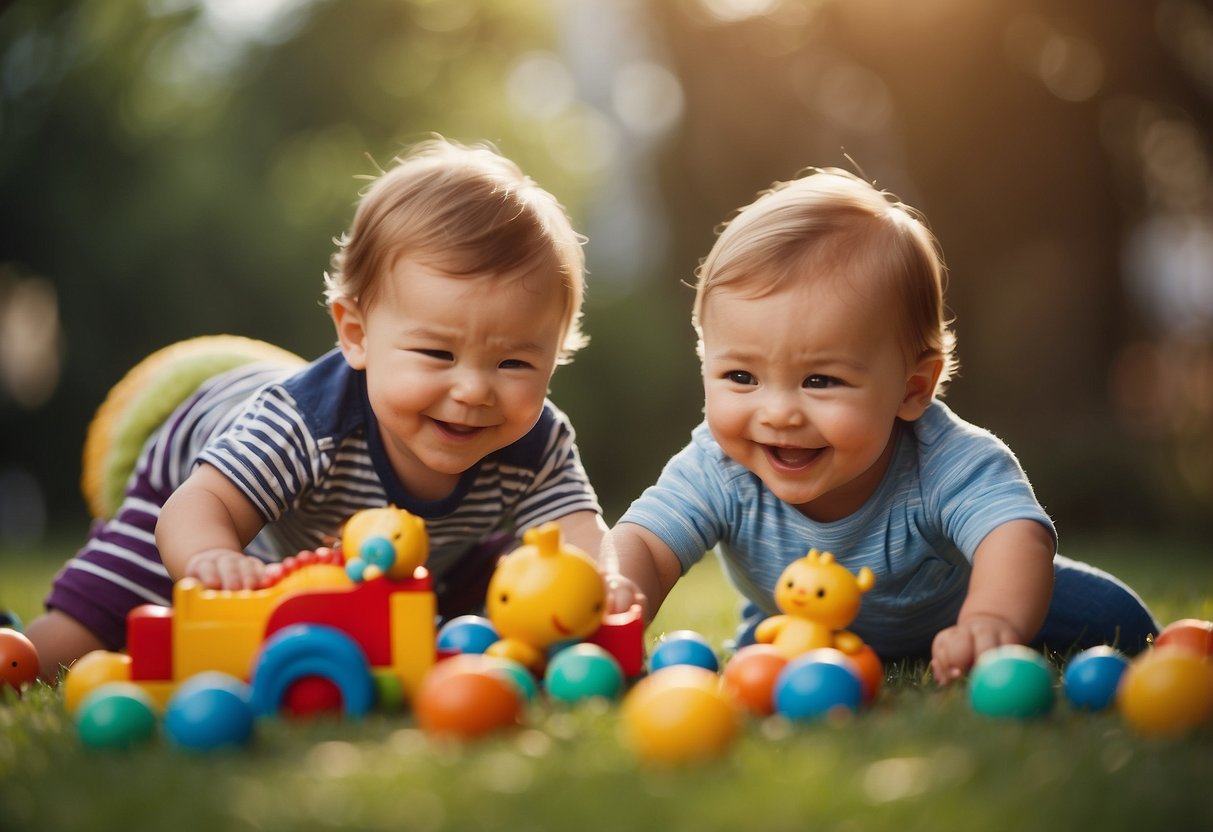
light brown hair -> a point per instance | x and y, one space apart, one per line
831 217
469 211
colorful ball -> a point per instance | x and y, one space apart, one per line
683 647
116 715
515 673
1191 634
1091 678
679 715
1166 692
749 677
583 671
1011 681
871 671
209 711
89 672
463 698
390 695
466 634
818 683
18 660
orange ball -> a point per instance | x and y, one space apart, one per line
1190 634
18 660
871 671
679 715
466 697
1166 692
749 677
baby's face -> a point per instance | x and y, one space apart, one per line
456 367
803 386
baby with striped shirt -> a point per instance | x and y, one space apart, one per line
824 346
455 294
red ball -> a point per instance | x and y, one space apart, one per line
18 660
1191 635
749 677
466 697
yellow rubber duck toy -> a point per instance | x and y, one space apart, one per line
384 541
543 593
818 597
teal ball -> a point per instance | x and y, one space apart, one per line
1011 681
116 715
583 671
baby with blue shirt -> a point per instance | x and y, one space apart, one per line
825 347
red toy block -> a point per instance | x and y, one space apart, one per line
622 635
149 641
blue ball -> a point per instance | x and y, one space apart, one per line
378 551
816 684
467 634
1091 678
1011 681
211 710
683 647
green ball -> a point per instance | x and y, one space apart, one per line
389 690
583 671
1011 681
116 715
516 674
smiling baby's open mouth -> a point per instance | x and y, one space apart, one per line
454 429
791 457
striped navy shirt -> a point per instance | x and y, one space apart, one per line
948 485
306 452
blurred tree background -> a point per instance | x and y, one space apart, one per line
170 168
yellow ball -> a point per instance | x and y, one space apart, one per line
679 714
1166 692
89 672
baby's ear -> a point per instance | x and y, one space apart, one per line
920 386
351 331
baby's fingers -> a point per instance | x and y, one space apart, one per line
240 572
622 594
949 654
206 571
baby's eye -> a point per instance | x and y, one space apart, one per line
739 377
514 364
439 355
820 382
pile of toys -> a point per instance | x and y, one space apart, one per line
353 629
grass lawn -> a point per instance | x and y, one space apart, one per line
918 759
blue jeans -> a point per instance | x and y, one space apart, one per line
1089 607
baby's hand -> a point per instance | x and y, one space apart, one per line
956 649
622 593
224 569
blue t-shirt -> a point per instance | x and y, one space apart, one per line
948 485
306 451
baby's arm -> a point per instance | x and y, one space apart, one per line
203 529
1008 597
639 567
583 529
